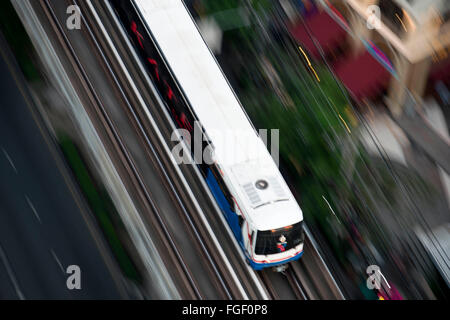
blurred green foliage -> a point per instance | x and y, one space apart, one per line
282 89
100 204
14 32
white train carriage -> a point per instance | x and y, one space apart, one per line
256 201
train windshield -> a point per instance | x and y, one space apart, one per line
279 240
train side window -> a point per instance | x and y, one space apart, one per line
241 220
222 186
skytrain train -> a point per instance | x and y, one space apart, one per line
256 202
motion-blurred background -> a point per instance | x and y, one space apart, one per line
363 112
359 90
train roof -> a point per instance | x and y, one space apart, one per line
237 147
268 200
202 80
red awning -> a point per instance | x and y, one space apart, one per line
327 32
363 76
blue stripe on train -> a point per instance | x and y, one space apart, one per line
229 214
259 266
